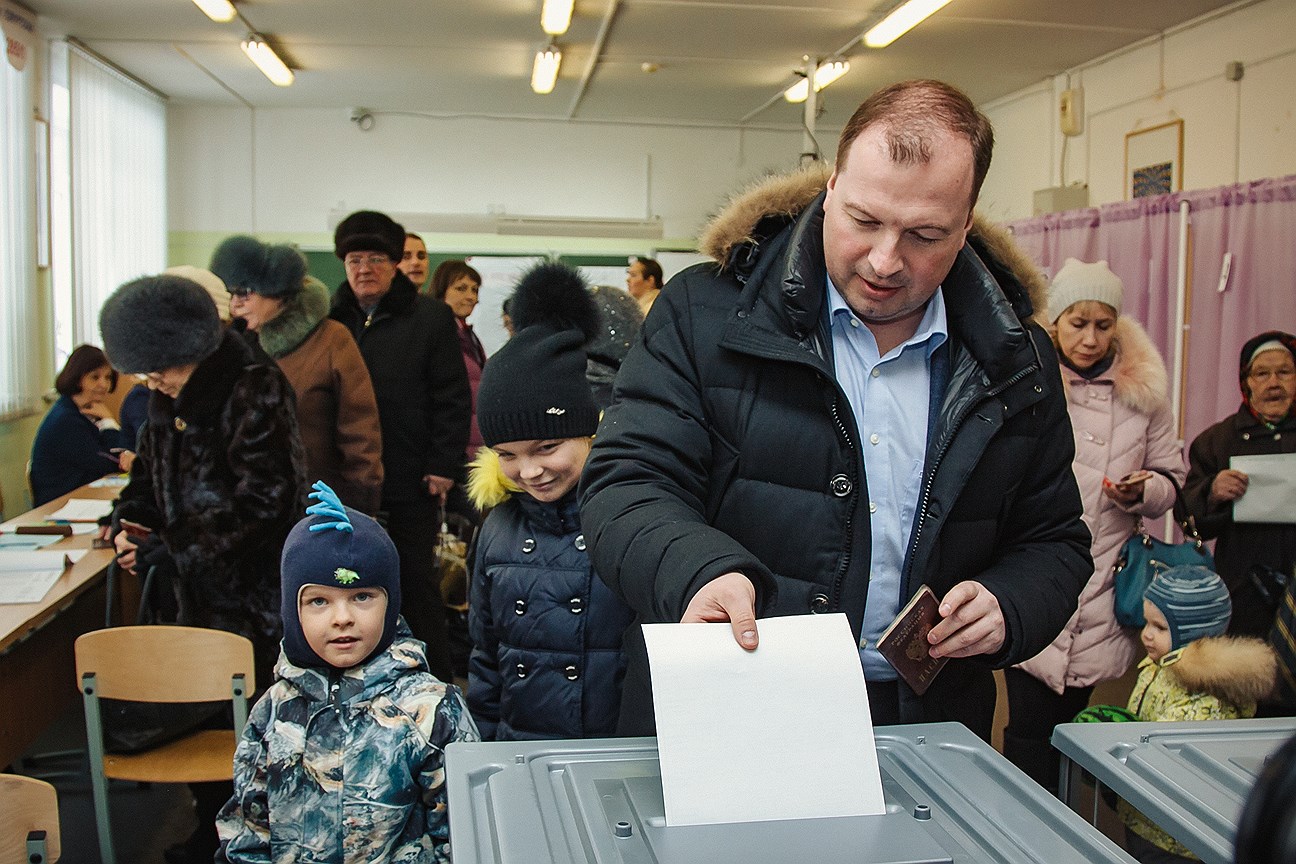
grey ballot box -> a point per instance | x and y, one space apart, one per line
949 798
1191 778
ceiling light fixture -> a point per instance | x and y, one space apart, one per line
217 10
260 53
901 20
555 16
824 75
544 74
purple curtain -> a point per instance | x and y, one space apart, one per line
1255 221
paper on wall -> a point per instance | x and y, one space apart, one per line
782 732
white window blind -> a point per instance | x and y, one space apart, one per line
117 197
19 337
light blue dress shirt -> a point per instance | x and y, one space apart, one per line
890 397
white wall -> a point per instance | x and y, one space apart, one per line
283 171
1233 131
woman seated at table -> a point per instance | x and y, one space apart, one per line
79 441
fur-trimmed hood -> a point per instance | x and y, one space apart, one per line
1237 669
301 314
767 205
1139 379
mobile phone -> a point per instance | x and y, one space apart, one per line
1134 478
136 531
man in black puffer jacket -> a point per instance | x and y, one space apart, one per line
741 472
411 346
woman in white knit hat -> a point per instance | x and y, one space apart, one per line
1120 415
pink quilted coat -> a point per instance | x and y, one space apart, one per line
1122 423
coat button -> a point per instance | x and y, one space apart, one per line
819 603
579 542
528 545
841 485
180 425
576 605
521 670
519 607
572 673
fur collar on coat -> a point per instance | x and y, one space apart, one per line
760 211
1139 380
1239 670
301 314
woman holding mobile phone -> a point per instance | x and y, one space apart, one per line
1120 416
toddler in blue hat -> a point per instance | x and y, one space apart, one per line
343 758
1192 672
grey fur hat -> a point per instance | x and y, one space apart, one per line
245 263
369 231
157 322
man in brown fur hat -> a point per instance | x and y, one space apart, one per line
853 404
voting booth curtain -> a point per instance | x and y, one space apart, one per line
1240 274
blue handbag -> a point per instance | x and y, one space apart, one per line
1143 556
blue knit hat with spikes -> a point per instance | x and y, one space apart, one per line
342 548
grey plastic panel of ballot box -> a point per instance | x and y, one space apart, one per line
1190 778
949 798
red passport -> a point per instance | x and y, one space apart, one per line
905 646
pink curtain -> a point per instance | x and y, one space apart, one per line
1254 221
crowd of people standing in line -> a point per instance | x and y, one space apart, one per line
852 324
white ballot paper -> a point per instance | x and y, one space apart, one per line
1271 488
82 510
782 732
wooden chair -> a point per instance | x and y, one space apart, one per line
29 821
162 664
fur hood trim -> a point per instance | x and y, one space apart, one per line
301 314
1139 378
1237 669
783 196
487 485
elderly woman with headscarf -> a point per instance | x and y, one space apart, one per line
1117 398
285 314
1264 424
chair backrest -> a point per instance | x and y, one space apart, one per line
158 663
27 805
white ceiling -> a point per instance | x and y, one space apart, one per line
721 62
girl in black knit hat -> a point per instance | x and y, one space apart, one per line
546 632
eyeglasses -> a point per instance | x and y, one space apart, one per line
1279 374
239 293
375 261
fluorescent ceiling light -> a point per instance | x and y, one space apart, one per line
901 20
555 16
824 75
267 60
544 74
217 10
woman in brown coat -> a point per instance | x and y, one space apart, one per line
286 313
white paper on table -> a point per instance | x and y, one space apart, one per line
29 542
84 528
1271 488
82 510
112 481
38 560
26 586
782 732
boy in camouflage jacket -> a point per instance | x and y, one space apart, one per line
1192 672
343 759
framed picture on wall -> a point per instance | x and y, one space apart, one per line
1154 160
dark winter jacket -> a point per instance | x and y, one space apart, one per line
546 659
411 347
220 476
70 451
1241 545
730 446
